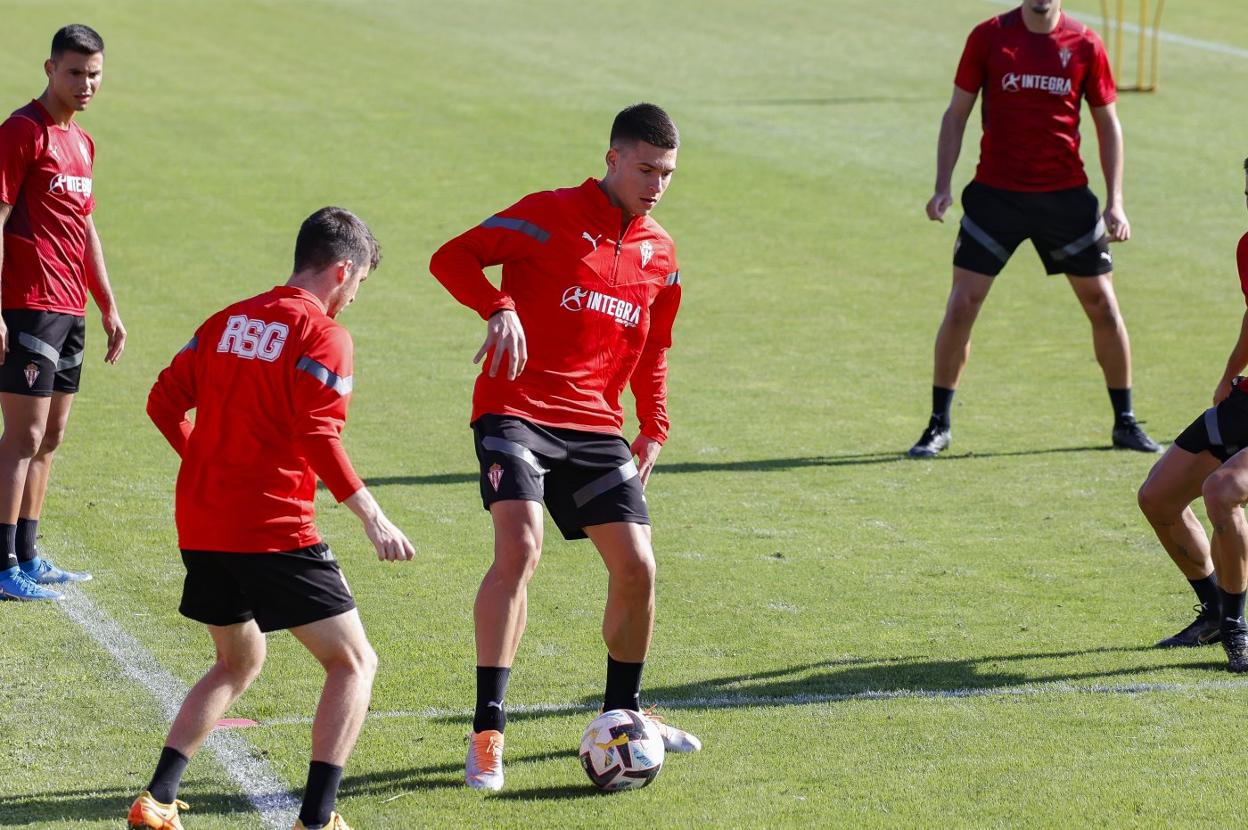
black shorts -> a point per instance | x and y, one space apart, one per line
277 590
1065 226
1222 430
45 352
584 478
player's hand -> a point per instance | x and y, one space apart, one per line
647 451
116 334
505 336
938 204
4 341
391 543
1116 224
1222 391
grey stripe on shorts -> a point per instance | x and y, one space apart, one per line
34 344
1211 426
1082 243
496 444
981 236
625 472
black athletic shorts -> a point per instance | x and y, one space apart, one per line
277 590
1222 430
45 352
1065 226
585 478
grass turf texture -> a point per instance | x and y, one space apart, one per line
800 558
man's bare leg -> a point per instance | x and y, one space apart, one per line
1226 492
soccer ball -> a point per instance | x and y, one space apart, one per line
621 750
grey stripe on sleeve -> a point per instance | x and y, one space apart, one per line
322 373
673 278
526 228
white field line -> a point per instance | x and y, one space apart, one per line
258 781
746 701
1167 37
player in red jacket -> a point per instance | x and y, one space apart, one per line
51 258
1207 460
590 289
269 379
1034 66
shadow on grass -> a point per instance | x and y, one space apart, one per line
103 804
432 776
917 677
761 465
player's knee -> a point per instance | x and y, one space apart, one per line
636 575
1102 310
51 441
242 668
1223 493
358 659
515 560
23 442
964 307
1152 500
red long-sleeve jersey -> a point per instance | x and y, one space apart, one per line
270 380
597 307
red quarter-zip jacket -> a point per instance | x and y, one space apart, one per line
597 308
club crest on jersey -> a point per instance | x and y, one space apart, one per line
625 313
32 373
647 251
496 476
1064 55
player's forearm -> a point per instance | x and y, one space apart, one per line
97 274
1109 139
948 148
329 461
6 210
1238 360
173 425
463 275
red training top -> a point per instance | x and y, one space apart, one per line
597 308
45 174
1241 258
270 380
1033 84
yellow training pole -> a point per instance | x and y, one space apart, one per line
1143 47
1161 4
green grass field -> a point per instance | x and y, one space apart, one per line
860 640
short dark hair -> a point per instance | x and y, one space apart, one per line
76 38
648 123
334 234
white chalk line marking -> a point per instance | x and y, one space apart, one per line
1166 37
257 779
745 701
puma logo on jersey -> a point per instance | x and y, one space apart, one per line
1012 52
250 339
592 240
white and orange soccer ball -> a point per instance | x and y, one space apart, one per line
621 750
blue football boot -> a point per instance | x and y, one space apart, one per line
16 585
43 572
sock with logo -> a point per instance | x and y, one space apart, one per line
1120 399
8 546
623 685
1207 592
942 403
1232 610
320 795
169 769
27 532
491 687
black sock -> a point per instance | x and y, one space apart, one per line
27 531
942 402
1232 610
322 792
491 687
1120 399
169 769
623 685
8 545
1207 592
